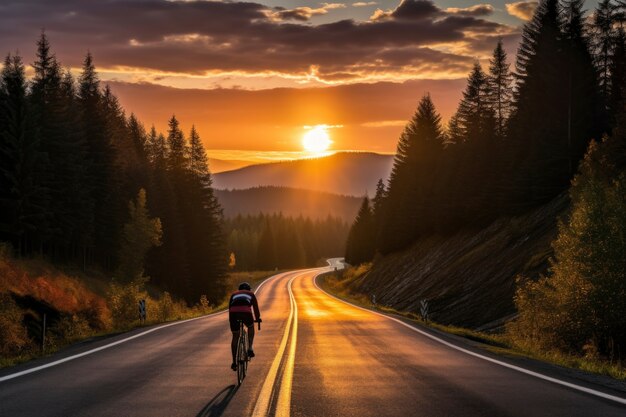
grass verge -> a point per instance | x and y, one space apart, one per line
81 307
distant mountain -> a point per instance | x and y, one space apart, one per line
290 201
221 165
347 173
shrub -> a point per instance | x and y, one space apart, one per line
166 307
13 334
123 301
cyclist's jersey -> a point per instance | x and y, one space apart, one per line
244 301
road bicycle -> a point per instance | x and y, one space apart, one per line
242 352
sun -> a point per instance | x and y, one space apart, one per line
316 139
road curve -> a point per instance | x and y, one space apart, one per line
316 356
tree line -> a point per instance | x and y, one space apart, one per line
270 241
71 160
516 139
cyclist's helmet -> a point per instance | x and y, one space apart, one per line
245 286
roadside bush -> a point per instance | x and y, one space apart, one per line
13 335
166 307
123 301
71 327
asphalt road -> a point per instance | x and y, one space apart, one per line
316 356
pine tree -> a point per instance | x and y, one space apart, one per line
377 208
100 158
22 198
410 185
360 246
198 162
454 133
500 88
177 146
617 95
605 19
208 257
586 114
475 115
76 188
538 153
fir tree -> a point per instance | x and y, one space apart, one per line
538 152
585 110
454 132
177 146
203 223
500 88
605 19
99 159
618 77
475 114
360 246
410 185
198 162
22 198
377 208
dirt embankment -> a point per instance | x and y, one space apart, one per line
469 278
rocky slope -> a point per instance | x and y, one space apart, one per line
469 278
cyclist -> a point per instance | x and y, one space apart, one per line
242 303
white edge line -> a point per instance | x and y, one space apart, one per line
486 358
98 349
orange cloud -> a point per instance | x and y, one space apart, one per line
523 10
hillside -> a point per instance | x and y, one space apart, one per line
347 173
469 278
221 165
289 201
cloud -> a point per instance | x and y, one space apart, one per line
303 13
426 9
523 10
364 3
410 10
197 38
476 11
385 123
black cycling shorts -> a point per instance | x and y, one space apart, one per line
234 318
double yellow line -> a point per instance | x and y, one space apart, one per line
283 403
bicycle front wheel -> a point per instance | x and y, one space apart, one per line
241 359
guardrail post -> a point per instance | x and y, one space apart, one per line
424 309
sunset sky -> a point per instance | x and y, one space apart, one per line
251 76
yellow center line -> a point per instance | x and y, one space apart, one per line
262 405
283 406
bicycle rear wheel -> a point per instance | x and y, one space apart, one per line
242 355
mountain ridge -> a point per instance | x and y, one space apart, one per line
343 173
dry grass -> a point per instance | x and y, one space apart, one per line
86 306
